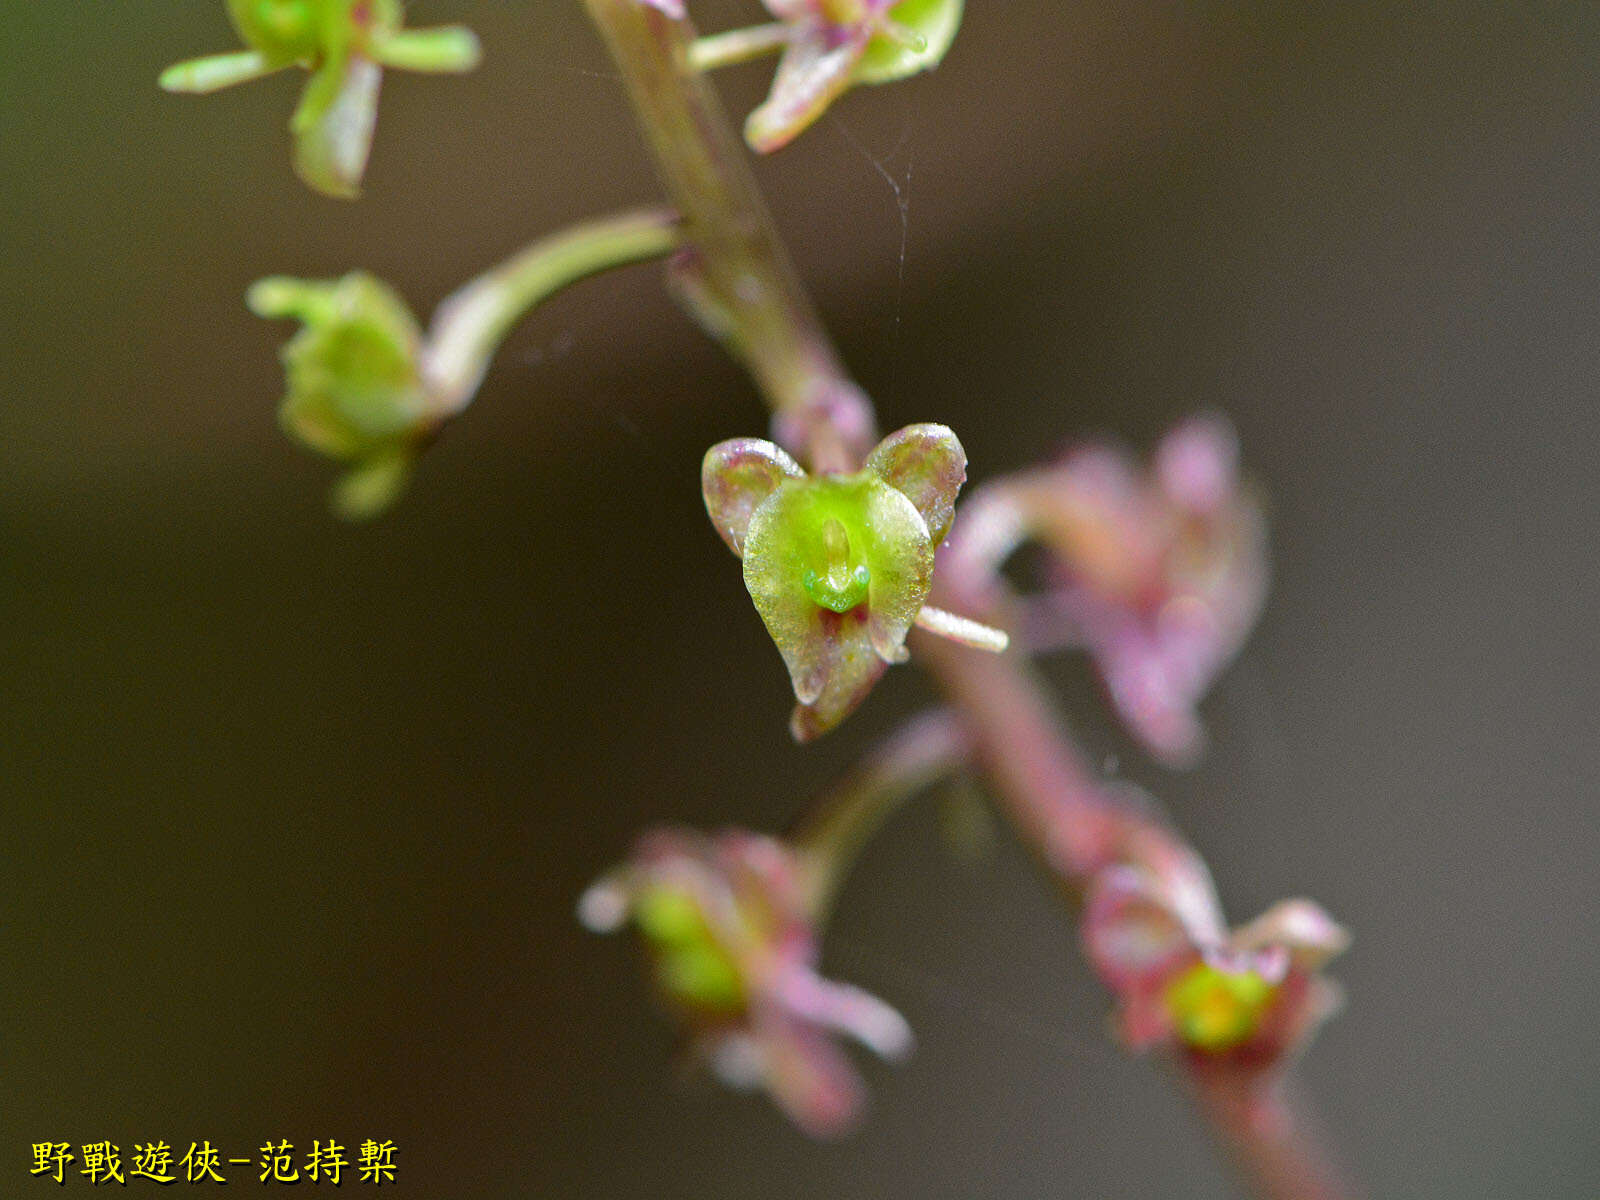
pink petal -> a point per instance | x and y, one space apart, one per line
1131 934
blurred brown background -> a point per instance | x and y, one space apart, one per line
295 813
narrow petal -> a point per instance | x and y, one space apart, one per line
1158 710
1197 463
1142 1020
279 296
927 464
1302 927
370 488
736 477
808 1076
813 72
449 49
848 667
848 1009
333 126
1302 1005
737 46
605 903
1131 934
200 76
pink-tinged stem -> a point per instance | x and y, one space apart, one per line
1078 827
1042 785
734 272
736 276
1267 1139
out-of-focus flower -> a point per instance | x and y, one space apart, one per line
1250 997
734 954
345 44
356 390
366 384
839 566
1159 574
831 45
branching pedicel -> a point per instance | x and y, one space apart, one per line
1157 573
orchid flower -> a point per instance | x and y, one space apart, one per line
345 44
1251 997
1158 574
356 387
840 565
734 954
827 47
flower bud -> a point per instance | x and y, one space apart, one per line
355 389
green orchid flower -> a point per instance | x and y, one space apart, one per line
356 387
840 565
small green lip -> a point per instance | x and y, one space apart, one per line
838 599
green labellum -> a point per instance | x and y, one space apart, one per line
1215 1009
824 546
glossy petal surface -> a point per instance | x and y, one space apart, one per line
928 465
736 478
793 541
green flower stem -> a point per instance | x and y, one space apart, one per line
734 272
737 46
469 325
831 836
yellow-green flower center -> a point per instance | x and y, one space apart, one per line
1215 1009
691 966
